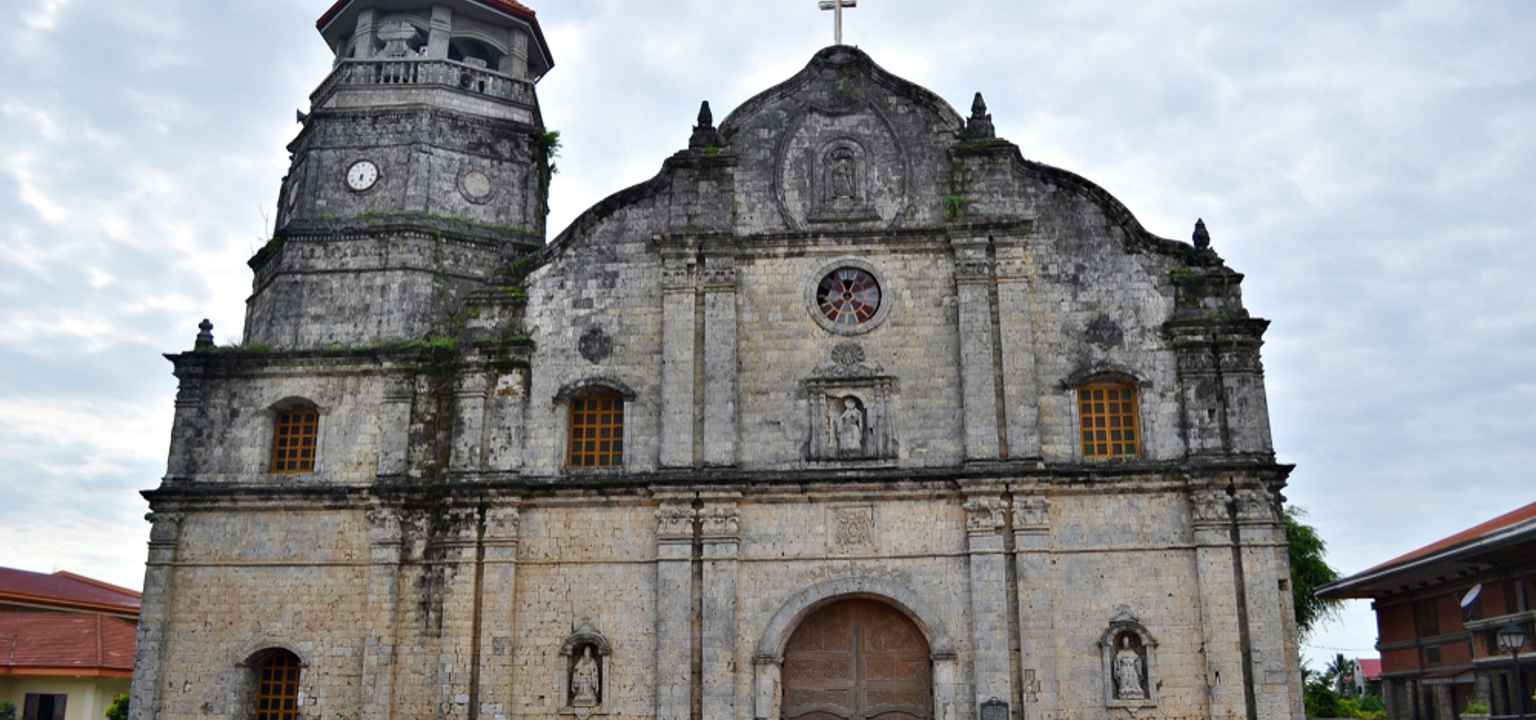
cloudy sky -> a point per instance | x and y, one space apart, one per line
1370 165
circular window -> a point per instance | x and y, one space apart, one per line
847 297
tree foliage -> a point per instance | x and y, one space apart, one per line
118 710
1309 572
7 710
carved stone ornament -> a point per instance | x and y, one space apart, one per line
476 186
851 527
721 521
675 521
1104 333
595 345
1208 505
985 514
847 355
1255 504
1031 512
1129 661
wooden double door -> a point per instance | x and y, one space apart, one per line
857 659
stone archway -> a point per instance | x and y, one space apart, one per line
773 647
857 659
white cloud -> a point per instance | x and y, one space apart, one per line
45 15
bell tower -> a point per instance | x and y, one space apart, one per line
420 172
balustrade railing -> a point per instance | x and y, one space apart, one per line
415 71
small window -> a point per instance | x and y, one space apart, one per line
1427 617
294 432
596 430
1108 415
277 686
39 706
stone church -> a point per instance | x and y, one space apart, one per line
850 413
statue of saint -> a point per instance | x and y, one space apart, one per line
843 185
586 686
850 428
1128 671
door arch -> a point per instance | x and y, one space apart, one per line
857 659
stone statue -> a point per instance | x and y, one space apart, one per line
1128 671
586 686
850 428
843 184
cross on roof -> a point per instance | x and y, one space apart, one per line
836 6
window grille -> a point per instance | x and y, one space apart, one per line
295 431
277 691
596 430
1108 415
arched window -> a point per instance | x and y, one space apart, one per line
1109 420
277 686
295 436
596 435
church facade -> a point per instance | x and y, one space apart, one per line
850 412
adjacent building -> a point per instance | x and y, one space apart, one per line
66 644
1439 610
851 411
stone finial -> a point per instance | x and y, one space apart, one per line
204 335
979 127
1202 236
705 135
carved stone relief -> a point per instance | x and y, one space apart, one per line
851 528
842 164
1031 512
595 345
985 514
587 656
850 408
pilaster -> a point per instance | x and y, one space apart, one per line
986 521
1215 573
379 645
469 426
978 376
150 654
362 37
678 298
441 31
1016 333
675 518
394 422
190 422
720 428
721 533
1037 611
506 437
452 563
498 619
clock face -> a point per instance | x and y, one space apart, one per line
362 175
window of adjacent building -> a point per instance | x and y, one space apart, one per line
40 706
1511 596
295 431
1108 420
1432 656
277 686
596 429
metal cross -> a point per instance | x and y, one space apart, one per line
836 6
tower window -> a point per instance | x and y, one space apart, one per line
596 429
277 688
295 430
1108 416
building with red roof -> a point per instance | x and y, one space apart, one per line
66 644
1439 610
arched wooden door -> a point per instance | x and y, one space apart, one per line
857 660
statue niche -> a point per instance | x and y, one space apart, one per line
1129 655
850 409
841 179
587 656
851 425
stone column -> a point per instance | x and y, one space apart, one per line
362 36
1016 330
385 547
516 62
674 607
986 521
1242 378
677 355
498 598
394 425
452 559
722 536
1215 574
1274 651
469 427
441 32
1037 611
978 376
1204 425
720 359
150 651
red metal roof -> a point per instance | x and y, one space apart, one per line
1471 534
511 7
66 590
1370 668
63 643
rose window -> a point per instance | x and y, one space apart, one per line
849 297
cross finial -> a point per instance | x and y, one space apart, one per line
836 6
